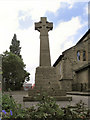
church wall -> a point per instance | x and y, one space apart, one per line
64 73
73 59
66 84
67 69
82 80
82 76
60 70
89 49
69 63
71 54
81 47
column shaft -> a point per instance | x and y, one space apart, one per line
44 51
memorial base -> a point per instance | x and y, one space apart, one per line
46 82
57 98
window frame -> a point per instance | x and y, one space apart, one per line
78 55
84 55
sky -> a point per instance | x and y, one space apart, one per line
70 23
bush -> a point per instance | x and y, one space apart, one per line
46 109
9 104
77 112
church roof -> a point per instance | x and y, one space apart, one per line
61 56
83 36
58 60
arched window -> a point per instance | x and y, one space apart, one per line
84 55
78 55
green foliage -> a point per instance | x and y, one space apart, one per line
8 103
46 109
13 71
13 67
77 112
15 46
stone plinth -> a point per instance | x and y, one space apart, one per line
46 82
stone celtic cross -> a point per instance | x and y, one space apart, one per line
44 27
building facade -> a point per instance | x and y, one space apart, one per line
73 66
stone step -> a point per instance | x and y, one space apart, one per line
57 98
56 92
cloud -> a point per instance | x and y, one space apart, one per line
10 19
86 10
63 35
25 23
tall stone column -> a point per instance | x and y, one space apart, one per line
44 27
45 76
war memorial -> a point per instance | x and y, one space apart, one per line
45 77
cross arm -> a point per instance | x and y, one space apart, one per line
37 26
50 25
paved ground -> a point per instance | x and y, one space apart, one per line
18 96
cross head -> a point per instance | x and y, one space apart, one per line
44 26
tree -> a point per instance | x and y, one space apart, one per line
13 71
15 46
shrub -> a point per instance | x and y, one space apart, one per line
77 112
46 109
9 104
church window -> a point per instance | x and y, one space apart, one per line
78 55
84 55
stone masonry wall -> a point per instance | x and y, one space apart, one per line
69 63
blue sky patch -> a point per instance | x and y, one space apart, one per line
25 21
65 13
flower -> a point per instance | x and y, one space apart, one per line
4 111
11 112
